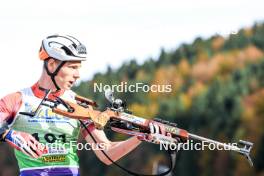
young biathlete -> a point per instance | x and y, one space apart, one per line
62 56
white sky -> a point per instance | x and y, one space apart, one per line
113 30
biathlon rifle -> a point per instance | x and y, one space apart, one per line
123 121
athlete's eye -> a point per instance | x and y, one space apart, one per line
73 67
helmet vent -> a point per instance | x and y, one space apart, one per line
67 51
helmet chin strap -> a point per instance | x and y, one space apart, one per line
52 75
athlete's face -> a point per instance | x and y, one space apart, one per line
68 74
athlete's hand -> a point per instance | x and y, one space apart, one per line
25 143
158 135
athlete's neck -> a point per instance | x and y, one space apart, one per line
45 82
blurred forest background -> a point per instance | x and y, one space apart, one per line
217 92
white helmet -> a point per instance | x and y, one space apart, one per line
63 48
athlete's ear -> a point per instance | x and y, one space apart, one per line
52 64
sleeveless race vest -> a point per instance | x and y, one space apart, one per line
57 132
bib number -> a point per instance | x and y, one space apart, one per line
51 138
